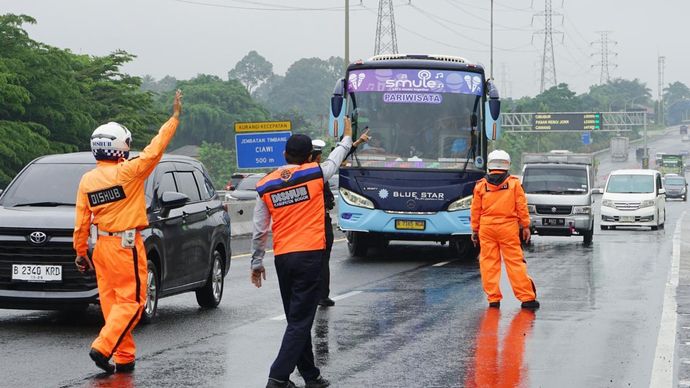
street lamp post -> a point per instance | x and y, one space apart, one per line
347 34
491 65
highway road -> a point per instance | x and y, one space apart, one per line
411 316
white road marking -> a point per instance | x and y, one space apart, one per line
346 295
441 264
281 317
664 356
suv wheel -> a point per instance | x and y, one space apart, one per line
151 305
209 295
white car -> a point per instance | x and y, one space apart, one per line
685 138
633 198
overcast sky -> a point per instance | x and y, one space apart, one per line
186 37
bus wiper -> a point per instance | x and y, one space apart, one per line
44 204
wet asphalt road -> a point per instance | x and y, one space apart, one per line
409 316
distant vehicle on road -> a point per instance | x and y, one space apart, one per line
235 180
558 186
683 129
685 138
187 241
633 198
676 186
671 164
619 148
246 189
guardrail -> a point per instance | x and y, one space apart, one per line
242 214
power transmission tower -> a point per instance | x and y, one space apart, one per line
662 65
548 59
386 40
605 53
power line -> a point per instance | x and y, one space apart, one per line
604 54
386 41
548 60
268 7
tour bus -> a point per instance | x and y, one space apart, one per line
430 118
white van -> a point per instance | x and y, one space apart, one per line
633 198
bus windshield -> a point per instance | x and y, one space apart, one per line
417 118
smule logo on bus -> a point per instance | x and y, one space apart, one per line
356 80
420 196
424 82
290 196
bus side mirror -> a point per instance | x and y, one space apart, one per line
336 118
492 112
492 119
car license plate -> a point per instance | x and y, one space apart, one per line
627 218
37 273
553 221
410 224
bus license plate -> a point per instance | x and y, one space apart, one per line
37 273
410 224
553 221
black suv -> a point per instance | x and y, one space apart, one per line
187 241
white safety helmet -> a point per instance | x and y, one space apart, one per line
498 160
111 141
318 145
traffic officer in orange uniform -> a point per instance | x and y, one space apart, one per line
499 210
292 196
111 197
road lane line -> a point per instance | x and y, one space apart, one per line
346 295
281 317
271 250
441 264
664 356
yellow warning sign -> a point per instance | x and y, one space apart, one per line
263 126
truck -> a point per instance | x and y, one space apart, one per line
558 186
683 129
619 149
428 117
671 164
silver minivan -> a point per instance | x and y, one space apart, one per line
558 186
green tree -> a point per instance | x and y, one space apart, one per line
51 99
675 92
252 71
212 106
219 161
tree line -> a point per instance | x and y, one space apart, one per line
51 99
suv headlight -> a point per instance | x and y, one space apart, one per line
355 199
532 209
607 203
582 209
461 204
647 203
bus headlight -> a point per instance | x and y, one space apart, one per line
461 204
355 199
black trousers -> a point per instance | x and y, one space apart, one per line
326 270
299 277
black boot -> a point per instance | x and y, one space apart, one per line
273 383
125 368
319 382
327 302
101 361
495 304
530 304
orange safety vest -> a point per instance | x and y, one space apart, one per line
499 204
294 197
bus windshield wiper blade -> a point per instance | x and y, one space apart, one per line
44 204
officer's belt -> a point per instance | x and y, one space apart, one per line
105 233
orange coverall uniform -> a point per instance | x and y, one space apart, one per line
113 193
498 211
